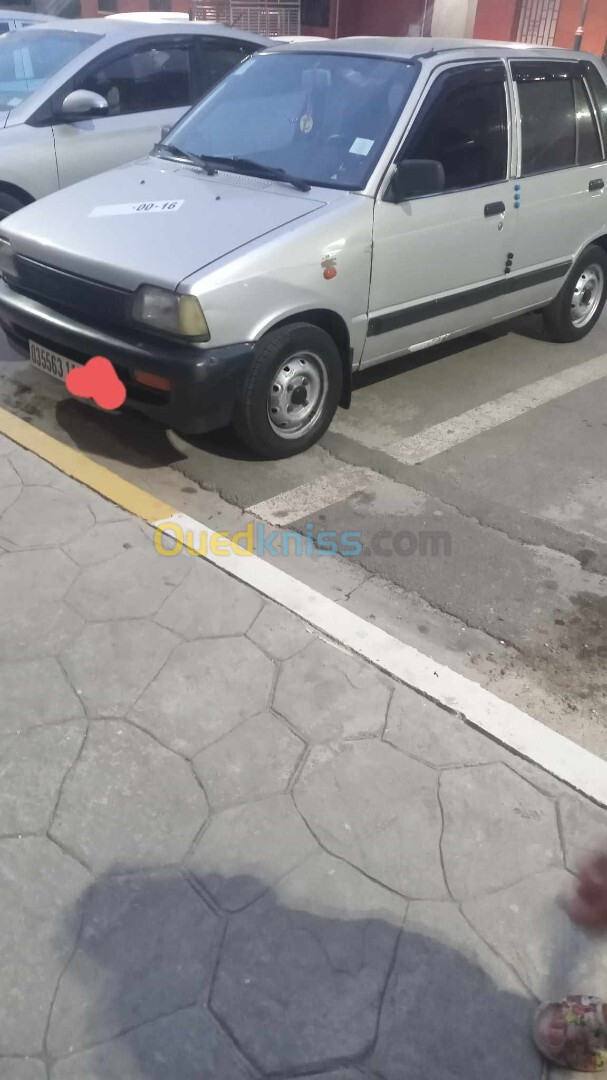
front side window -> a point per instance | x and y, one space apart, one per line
558 125
29 57
464 125
324 118
215 58
155 76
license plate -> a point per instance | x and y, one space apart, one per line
50 362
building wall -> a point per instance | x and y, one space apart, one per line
595 29
496 20
391 18
454 18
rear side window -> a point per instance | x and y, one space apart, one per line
598 87
464 125
155 76
558 123
4 27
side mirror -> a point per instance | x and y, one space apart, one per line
414 178
82 103
164 131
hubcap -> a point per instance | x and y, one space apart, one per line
297 395
587 295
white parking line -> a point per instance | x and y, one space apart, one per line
435 440
307 499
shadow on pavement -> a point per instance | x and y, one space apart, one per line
163 985
125 436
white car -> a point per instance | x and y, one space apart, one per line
17 20
81 96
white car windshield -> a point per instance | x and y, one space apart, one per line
322 117
29 57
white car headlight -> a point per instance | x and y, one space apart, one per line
7 265
173 313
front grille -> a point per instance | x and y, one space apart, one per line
68 293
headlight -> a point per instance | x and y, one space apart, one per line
174 313
7 265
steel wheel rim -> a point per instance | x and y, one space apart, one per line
297 394
587 295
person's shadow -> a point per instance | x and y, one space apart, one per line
319 976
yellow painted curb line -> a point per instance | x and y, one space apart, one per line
77 465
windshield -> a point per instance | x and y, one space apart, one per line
29 57
323 117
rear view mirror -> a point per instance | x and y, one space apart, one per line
414 178
82 103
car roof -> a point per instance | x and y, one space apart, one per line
124 30
33 16
410 48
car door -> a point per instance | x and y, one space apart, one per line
439 260
560 202
147 85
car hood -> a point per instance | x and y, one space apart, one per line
95 229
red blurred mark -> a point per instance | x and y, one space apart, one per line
330 273
98 380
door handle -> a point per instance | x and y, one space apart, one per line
596 185
492 209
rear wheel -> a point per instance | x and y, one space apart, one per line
291 392
8 204
578 306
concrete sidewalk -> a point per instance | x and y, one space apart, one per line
232 850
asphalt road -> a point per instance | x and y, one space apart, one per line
475 476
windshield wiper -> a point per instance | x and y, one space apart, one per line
174 152
255 168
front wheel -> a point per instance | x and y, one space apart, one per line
291 391
9 204
578 306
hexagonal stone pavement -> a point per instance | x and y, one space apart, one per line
583 828
128 803
255 759
302 970
248 848
498 829
378 809
204 691
110 985
112 663
450 1003
528 927
29 578
22 1069
327 694
35 692
41 893
132 585
208 603
106 540
279 633
431 734
33 765
187 1046
61 517
44 629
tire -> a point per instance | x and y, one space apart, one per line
579 305
291 392
8 204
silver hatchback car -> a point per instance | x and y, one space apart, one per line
325 208
78 97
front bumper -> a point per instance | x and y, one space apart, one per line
205 380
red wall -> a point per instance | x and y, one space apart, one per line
392 18
496 19
595 30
